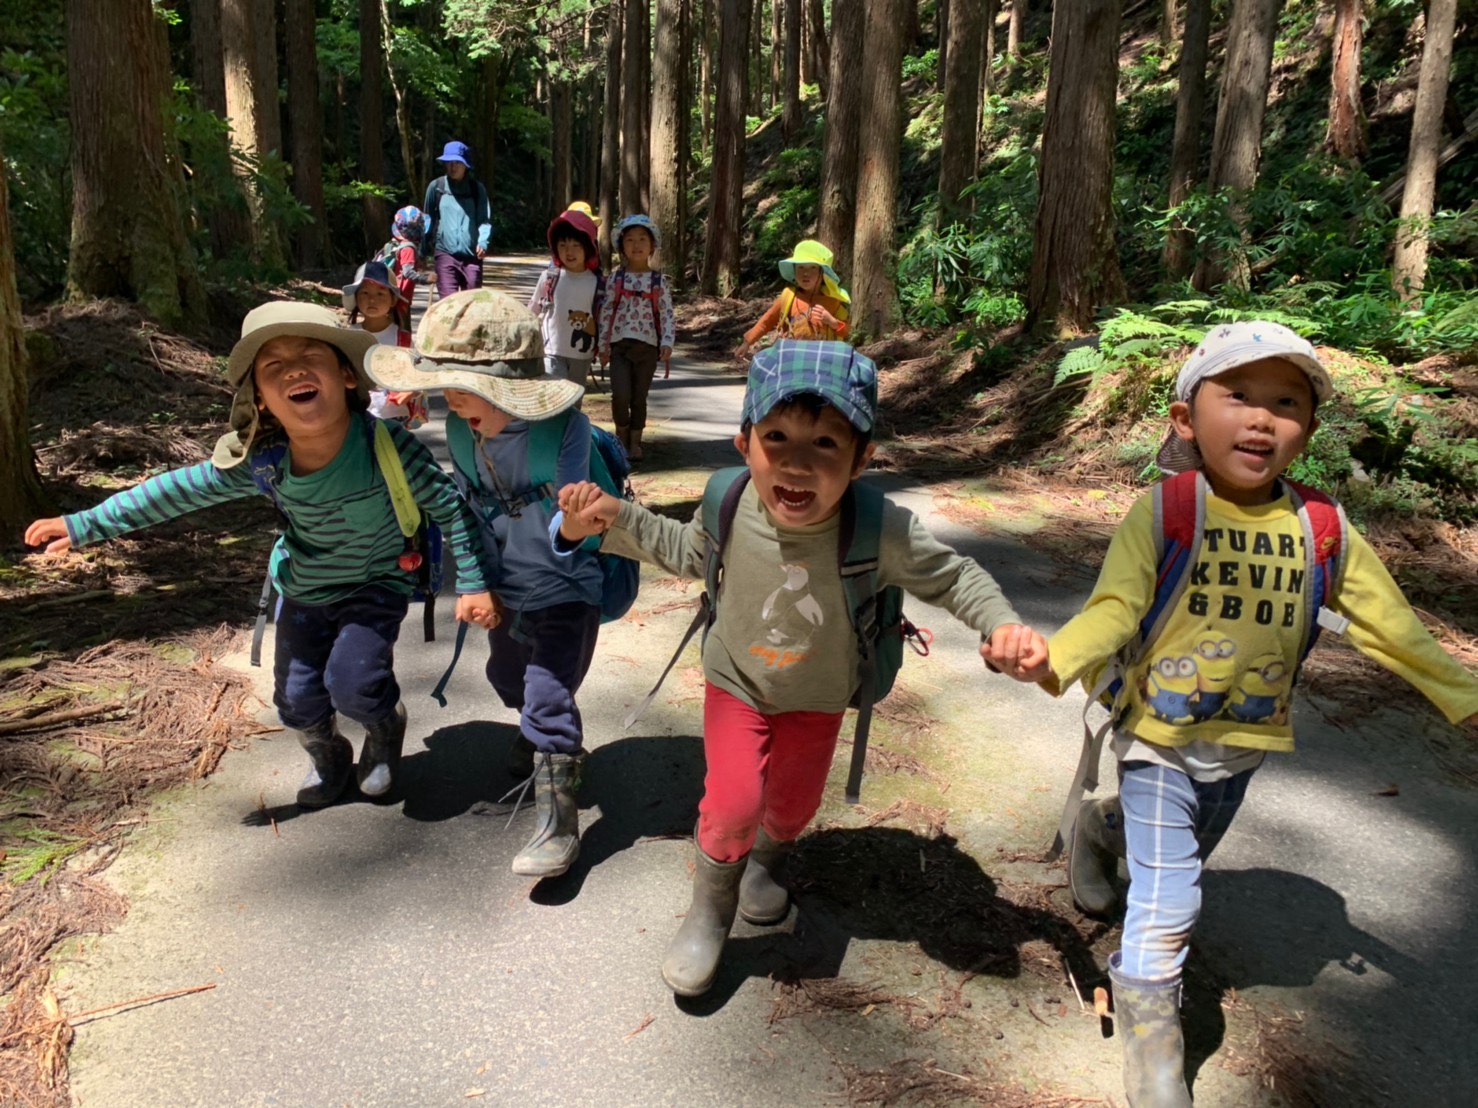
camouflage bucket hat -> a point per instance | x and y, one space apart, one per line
482 342
263 324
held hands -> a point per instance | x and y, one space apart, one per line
51 533
588 510
482 608
1017 651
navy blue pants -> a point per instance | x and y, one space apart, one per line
339 655
536 663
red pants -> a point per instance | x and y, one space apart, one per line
762 770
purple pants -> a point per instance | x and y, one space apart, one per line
455 275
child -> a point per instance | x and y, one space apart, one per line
567 297
771 717
813 307
338 562
483 349
635 328
1207 696
374 301
406 232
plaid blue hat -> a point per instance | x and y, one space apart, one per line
845 379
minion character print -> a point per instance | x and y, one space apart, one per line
1216 667
1168 688
1259 697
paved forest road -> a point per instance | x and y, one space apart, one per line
385 955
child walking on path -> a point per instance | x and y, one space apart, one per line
567 298
1255 565
459 222
402 253
781 657
373 302
813 306
483 350
636 328
298 423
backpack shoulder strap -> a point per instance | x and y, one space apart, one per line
462 448
404 338
1179 522
546 436
787 305
857 556
392 470
1326 536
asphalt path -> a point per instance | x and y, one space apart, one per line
384 954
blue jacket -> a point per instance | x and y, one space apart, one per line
461 217
519 563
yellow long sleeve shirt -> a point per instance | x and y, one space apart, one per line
1223 668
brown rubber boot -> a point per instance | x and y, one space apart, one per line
1147 1020
1097 846
763 897
332 758
623 436
556 841
693 955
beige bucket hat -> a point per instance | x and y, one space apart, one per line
261 325
482 342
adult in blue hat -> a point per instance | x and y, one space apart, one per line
461 222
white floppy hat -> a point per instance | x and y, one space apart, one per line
1229 345
261 325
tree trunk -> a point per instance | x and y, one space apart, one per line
1237 146
645 165
987 58
1190 110
372 123
941 36
1075 267
610 147
21 499
705 77
726 186
266 89
1013 31
961 109
874 297
561 187
755 82
205 55
663 156
775 90
1409 268
1345 137
305 118
821 60
496 70
1167 23
843 124
633 106
678 255
403 126
246 108
790 121
128 237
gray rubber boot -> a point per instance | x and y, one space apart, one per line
556 841
332 758
763 897
1097 846
379 758
693 955
1147 1019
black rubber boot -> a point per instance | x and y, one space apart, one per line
556 841
332 757
379 759
763 897
1147 1019
1098 844
693 955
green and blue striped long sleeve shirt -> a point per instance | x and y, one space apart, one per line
341 533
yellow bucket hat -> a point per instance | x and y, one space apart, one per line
811 252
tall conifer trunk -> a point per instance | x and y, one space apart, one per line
305 117
726 185
1190 111
21 499
843 125
1409 269
874 297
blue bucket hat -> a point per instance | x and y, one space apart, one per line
845 379
637 220
457 152
376 273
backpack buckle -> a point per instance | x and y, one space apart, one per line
919 639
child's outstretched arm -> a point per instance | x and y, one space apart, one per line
767 323
629 530
52 533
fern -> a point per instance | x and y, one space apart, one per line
1078 362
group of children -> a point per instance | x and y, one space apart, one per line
1210 596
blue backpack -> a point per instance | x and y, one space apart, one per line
609 468
876 613
423 542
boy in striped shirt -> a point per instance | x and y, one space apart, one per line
337 565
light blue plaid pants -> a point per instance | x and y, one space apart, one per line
1171 826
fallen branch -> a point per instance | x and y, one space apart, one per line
136 1001
37 723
